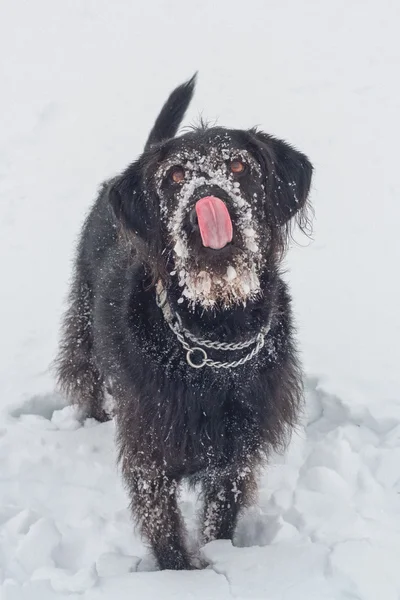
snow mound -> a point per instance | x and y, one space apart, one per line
327 522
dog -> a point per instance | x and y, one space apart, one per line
178 309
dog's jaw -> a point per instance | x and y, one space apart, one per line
238 286
238 280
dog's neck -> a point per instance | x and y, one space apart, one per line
233 323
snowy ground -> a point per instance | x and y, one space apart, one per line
81 84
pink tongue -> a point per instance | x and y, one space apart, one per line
214 222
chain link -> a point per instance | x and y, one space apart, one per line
220 345
260 339
175 323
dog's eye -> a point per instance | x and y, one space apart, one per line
237 166
177 174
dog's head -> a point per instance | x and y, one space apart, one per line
212 208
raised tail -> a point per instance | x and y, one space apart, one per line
172 113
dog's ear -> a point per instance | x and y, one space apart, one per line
129 202
288 174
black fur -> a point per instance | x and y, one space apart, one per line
213 427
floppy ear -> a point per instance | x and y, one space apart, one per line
129 202
288 175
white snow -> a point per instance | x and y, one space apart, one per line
81 85
231 273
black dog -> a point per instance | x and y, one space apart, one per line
178 308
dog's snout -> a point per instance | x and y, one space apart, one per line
210 190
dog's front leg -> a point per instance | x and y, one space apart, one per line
225 492
155 509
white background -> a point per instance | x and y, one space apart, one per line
81 84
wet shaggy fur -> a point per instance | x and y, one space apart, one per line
212 427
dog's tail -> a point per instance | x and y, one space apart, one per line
172 113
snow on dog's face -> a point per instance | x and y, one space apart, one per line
207 198
214 206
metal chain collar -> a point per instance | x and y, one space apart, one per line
175 323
